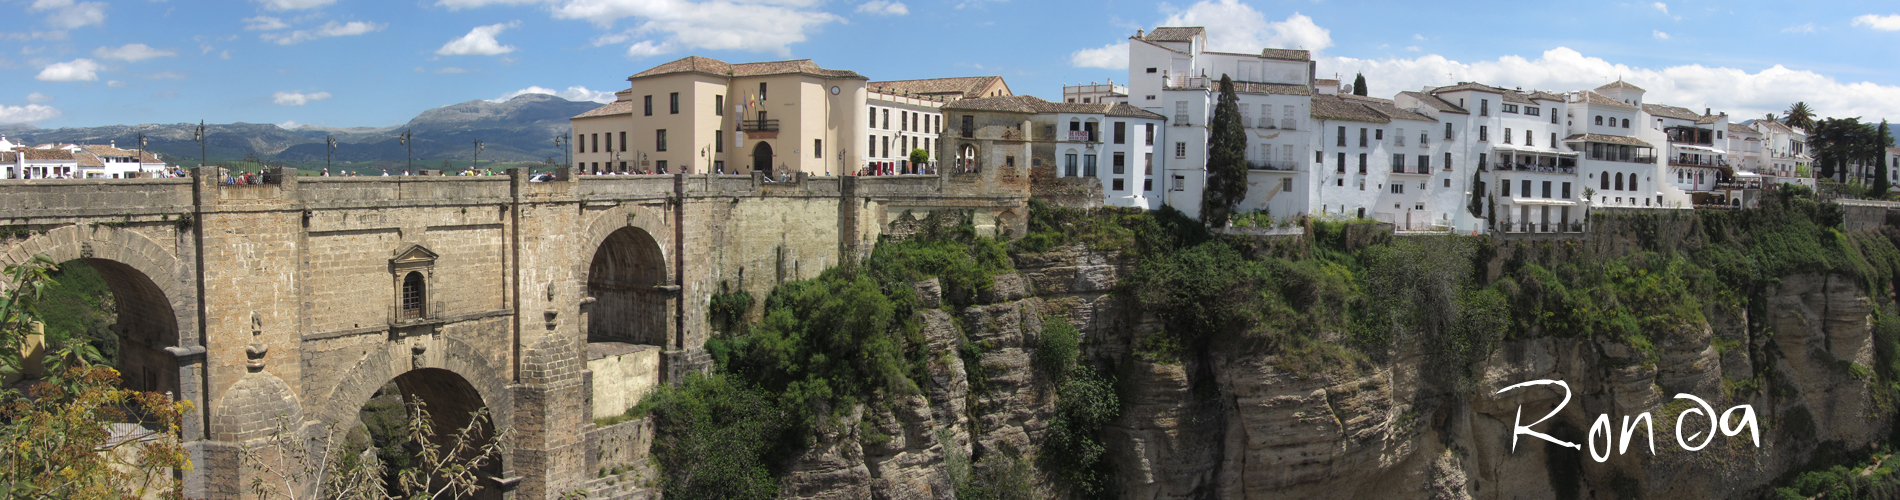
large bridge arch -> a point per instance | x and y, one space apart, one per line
395 358
625 266
156 296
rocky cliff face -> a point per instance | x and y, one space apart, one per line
1262 432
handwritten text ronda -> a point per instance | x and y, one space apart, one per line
1746 421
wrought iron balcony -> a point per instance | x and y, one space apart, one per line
769 125
1280 166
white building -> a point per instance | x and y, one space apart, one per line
1171 73
119 163
898 124
1095 93
1616 166
1785 152
1694 163
1112 142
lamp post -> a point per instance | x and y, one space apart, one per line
478 154
560 142
329 152
409 147
199 135
141 157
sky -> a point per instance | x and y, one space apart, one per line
348 63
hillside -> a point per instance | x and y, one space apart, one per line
521 129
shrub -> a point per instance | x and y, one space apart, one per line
1058 347
716 438
1075 452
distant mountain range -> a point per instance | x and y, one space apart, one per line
521 129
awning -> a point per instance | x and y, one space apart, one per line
1697 148
1541 201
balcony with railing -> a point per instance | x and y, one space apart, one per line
1273 165
1081 136
1695 161
767 125
1534 168
1643 159
1690 135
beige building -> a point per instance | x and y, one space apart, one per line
946 89
906 115
704 115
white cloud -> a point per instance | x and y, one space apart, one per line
1889 22
479 42
1735 91
470 4
1111 56
1803 28
68 14
264 23
1659 34
77 70
289 125
1236 27
38 98
294 4
132 52
115 83
883 8
1418 37
646 48
27 113
1413 48
769 26
575 93
298 98
165 75
1661 6
328 29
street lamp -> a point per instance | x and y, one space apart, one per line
141 158
330 151
478 154
560 142
199 135
409 147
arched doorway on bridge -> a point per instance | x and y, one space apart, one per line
625 279
762 158
384 428
121 313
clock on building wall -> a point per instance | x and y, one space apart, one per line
835 90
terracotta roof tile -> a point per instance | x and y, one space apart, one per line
106 150
88 159
48 154
715 67
1667 111
1737 128
1336 108
1272 88
1611 139
609 109
1287 54
1010 103
1619 84
1591 97
958 87
1174 34
1361 98
1438 103
1034 105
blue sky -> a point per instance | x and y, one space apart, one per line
378 63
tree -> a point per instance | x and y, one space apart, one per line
59 440
1226 159
1476 207
447 462
919 156
1358 84
1877 154
1799 115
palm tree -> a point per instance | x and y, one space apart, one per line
1799 116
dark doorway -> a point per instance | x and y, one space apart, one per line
762 158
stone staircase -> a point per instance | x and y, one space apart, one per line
629 485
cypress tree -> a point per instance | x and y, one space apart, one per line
1358 84
1226 159
1879 154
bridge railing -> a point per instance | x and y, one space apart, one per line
384 189
94 197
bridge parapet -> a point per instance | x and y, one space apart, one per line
382 191
70 198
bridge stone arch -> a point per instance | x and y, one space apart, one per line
626 267
395 359
156 296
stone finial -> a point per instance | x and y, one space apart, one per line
256 351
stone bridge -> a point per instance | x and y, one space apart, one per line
550 304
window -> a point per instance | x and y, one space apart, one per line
1507 135
1599 119
1619 181
1119 164
1180 183
1342 163
1362 163
1507 187
413 295
623 142
1150 138
1286 184
1553 140
887 120
1626 123
1398 188
648 100
817 148
1180 150
1526 192
1088 165
1362 137
595 139
1151 70
719 105
1546 189
1180 113
719 141
1424 163
1553 117
1603 183
1424 138
903 120
1398 163
1484 107
1069 165
1528 141
887 147
1510 108
969 126
1484 133
1398 137
873 117
1342 136
1480 160
673 103
872 147
1147 184
659 140
1531 110
610 142
761 91
1121 132
1566 191
1447 162
1448 182
1118 184
1147 164
1447 131
660 165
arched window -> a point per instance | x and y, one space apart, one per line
1626 123
966 158
1619 181
1599 119
414 294
1604 181
1633 182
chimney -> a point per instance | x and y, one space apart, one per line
1706 111
1138 32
